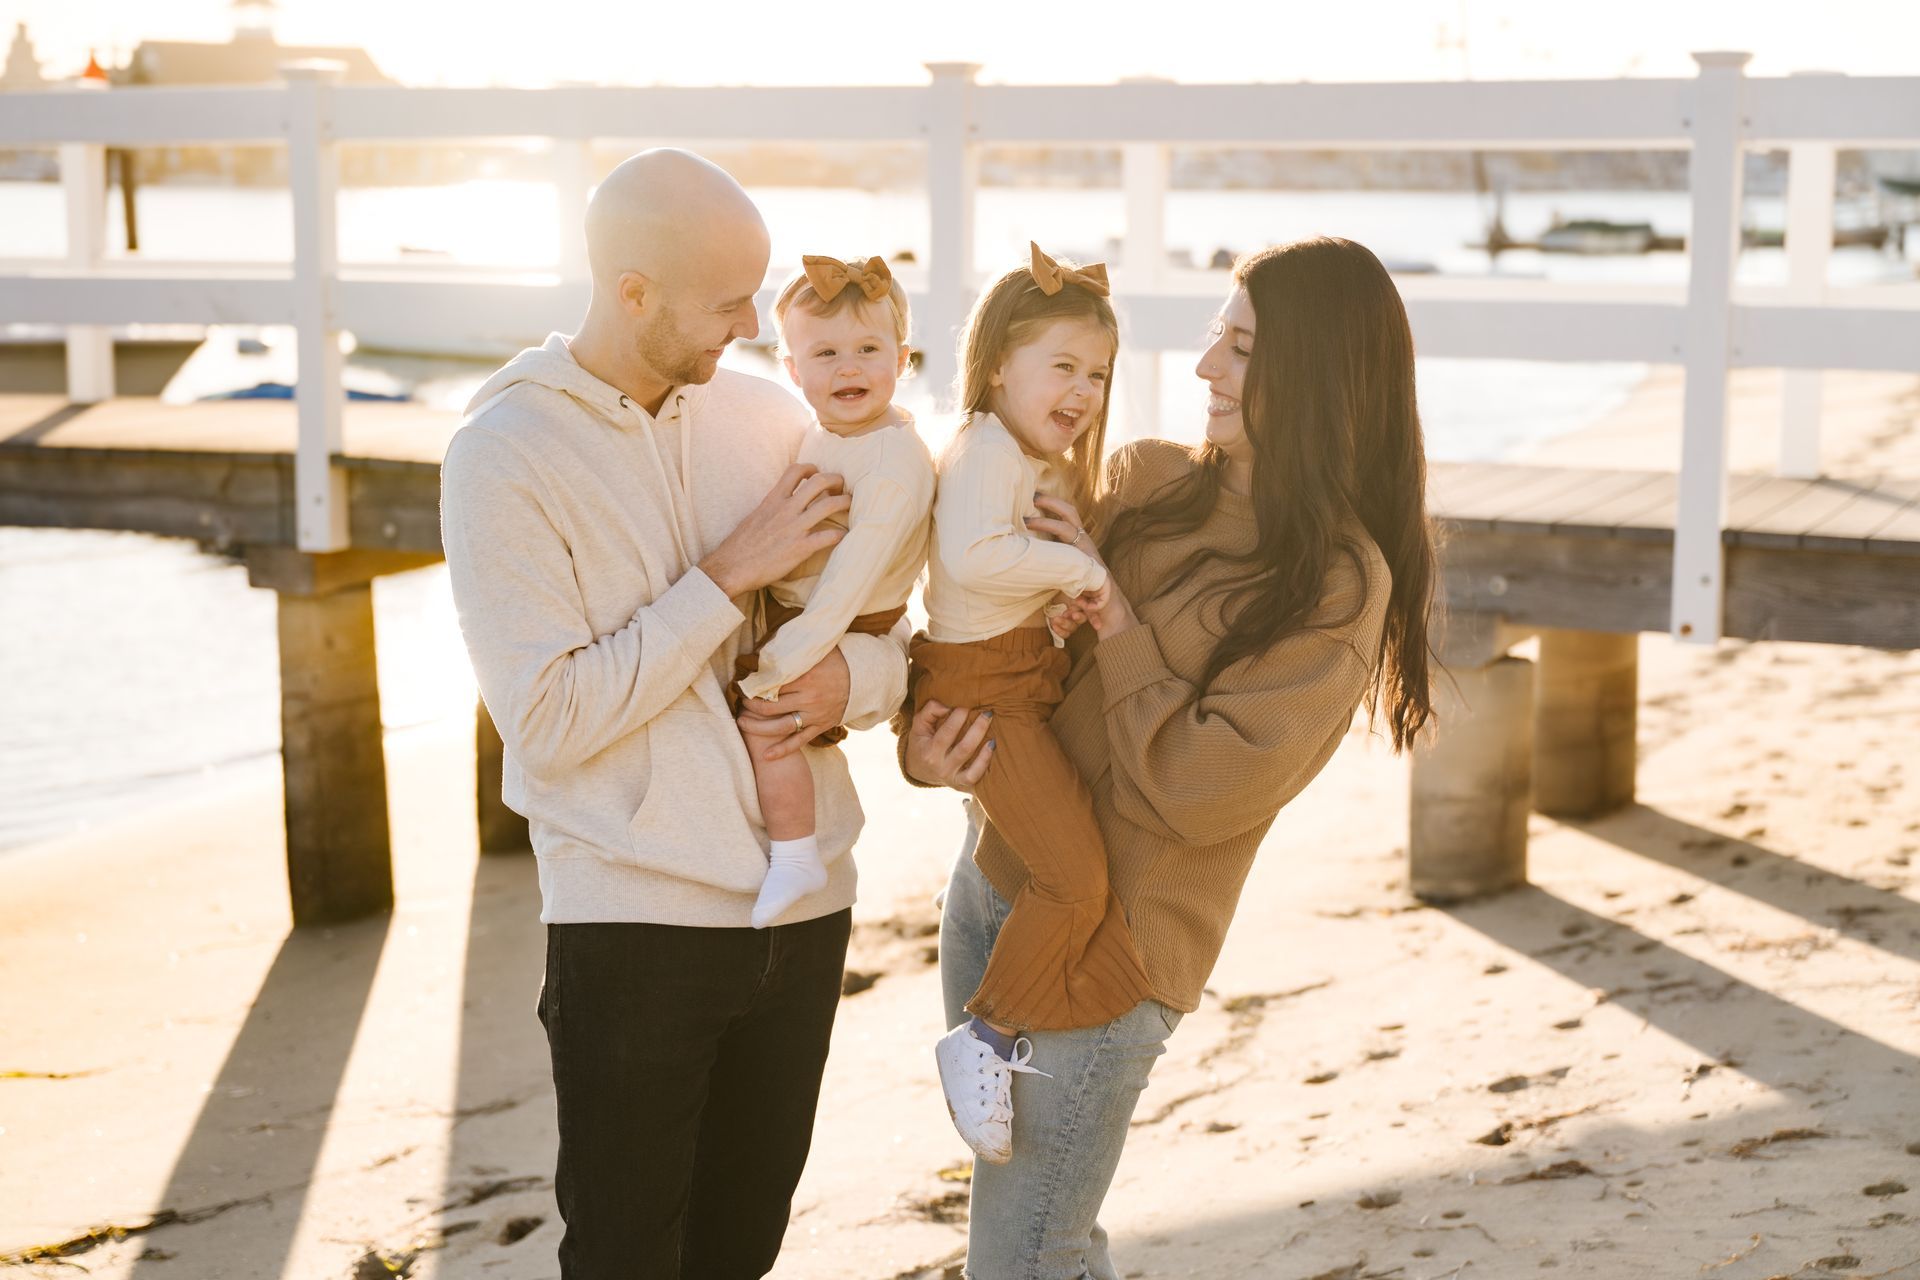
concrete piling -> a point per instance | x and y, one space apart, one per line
501 829
339 859
1586 699
1472 785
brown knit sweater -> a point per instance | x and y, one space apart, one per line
1184 801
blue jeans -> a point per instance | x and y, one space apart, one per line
1036 1217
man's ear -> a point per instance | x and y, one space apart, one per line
636 292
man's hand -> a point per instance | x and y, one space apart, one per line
818 697
779 533
949 746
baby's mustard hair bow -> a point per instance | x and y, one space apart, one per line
1052 277
829 276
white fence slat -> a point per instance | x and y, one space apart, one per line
313 171
142 115
881 114
1715 176
572 183
1830 337
953 180
1810 177
1146 169
145 298
1858 111
83 178
1563 115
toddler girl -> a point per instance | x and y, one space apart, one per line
843 338
1036 365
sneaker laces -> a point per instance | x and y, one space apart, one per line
999 1109
1018 1063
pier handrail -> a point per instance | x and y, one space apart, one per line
1709 327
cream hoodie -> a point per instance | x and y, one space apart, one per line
602 652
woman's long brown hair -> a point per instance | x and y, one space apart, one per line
1013 310
1329 408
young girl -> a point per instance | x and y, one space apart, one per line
843 338
1037 368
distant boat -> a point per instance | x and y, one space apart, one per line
283 391
1867 237
1596 236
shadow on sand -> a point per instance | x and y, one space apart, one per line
503 1107
258 1136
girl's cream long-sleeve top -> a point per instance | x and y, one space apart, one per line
889 475
988 574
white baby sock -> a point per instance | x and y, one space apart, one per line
794 871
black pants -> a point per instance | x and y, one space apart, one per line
686 1068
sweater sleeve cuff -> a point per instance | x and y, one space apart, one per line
1129 662
900 729
876 678
697 612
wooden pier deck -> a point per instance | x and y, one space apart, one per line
1832 559
1580 558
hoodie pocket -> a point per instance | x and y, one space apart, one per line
698 817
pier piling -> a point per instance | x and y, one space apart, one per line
501 829
1585 717
1473 785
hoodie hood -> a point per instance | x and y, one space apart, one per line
550 365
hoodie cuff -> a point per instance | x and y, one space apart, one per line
876 677
698 613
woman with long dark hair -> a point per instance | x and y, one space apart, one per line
1265 585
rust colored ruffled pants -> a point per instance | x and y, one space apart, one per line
1065 957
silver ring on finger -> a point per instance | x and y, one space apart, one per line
798 723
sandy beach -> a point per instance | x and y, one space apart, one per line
1690 1047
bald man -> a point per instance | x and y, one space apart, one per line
611 508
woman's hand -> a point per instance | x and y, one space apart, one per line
1064 615
1062 523
948 746
1107 609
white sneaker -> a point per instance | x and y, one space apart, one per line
979 1086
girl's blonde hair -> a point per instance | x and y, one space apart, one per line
799 292
1011 311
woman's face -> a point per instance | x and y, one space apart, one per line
1223 367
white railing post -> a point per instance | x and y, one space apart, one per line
1810 174
572 181
1144 171
313 174
953 179
83 176
1713 245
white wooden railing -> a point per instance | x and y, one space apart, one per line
1803 327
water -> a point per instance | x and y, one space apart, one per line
133 667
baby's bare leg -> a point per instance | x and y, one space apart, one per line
794 868
786 790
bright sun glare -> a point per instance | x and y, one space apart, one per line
618 41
